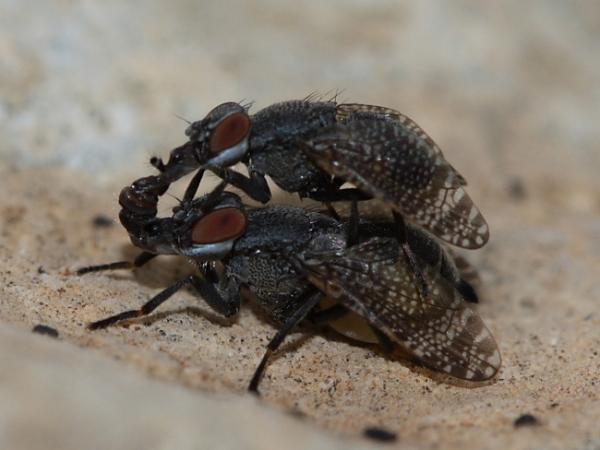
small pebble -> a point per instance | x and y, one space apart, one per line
380 434
45 330
102 221
526 420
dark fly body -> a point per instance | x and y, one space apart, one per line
290 258
313 147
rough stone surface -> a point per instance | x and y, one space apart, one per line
125 409
88 91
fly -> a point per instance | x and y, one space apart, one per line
313 147
291 259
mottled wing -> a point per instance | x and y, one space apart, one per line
443 332
398 166
345 112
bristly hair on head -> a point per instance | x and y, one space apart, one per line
183 118
246 104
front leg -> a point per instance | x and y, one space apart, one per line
190 191
254 186
141 259
226 307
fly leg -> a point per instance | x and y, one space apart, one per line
182 161
139 261
312 299
385 342
332 212
469 279
190 191
192 188
467 291
352 195
227 307
254 186
146 308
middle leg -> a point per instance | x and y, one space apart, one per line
313 298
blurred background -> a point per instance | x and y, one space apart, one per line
508 89
90 90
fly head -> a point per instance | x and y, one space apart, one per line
203 229
221 138
207 227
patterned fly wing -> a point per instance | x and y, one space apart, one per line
443 332
344 112
397 162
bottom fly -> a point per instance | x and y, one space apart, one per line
291 259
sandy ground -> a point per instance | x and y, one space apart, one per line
510 93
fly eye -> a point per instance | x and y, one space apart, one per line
229 132
219 226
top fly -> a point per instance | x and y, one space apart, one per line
313 147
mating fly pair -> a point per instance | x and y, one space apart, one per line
395 276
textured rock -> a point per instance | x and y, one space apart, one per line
88 92
48 403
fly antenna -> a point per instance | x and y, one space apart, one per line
183 118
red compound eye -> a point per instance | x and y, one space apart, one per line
229 132
218 226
